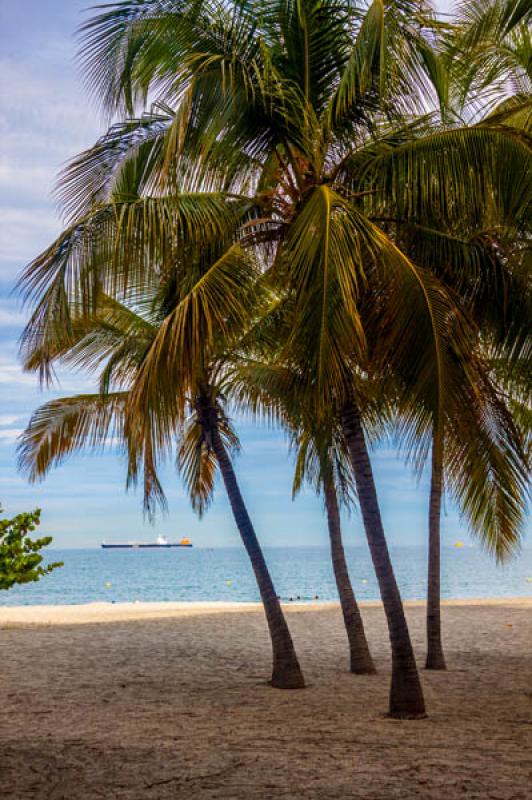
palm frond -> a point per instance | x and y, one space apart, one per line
196 461
208 316
476 175
62 427
117 249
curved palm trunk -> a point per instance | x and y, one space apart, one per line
286 673
406 694
435 657
361 660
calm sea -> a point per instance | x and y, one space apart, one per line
225 574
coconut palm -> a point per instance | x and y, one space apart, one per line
496 293
288 133
480 71
118 341
326 468
478 456
321 461
483 263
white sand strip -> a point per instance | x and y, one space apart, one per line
114 612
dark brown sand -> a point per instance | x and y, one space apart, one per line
178 707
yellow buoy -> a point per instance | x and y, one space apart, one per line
108 585
458 544
229 583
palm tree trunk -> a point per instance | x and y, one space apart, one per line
361 660
435 657
286 672
406 694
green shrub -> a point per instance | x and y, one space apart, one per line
20 559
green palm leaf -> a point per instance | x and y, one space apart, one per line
476 174
62 427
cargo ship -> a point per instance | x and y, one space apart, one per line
161 541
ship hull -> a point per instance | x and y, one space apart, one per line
142 546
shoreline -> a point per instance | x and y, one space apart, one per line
107 612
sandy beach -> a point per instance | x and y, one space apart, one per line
160 700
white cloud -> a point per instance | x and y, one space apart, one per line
8 419
9 318
12 374
10 435
53 107
25 232
30 182
45 120
66 383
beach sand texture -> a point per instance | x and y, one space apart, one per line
174 704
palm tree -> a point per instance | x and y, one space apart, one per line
478 455
264 387
480 265
286 670
120 341
481 72
325 466
289 133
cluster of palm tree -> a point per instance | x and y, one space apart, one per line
314 210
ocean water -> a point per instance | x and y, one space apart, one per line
225 574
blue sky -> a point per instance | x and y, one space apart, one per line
45 118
